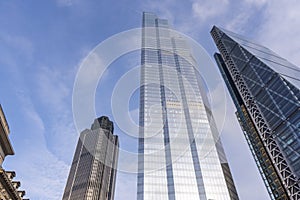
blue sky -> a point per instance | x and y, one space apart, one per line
42 44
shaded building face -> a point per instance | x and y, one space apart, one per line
93 170
5 145
8 186
178 158
265 90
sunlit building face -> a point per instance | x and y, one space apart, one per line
178 157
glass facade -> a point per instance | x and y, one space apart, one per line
265 90
178 155
93 170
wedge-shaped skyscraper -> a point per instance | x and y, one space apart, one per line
93 170
265 91
180 156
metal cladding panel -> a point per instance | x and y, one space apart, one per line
271 97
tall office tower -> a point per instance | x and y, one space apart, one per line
265 91
93 170
178 157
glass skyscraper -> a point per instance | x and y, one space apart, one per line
93 171
180 155
265 91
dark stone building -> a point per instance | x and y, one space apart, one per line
8 187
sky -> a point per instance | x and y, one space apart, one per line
43 44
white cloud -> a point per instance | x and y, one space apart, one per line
15 46
90 69
53 92
257 3
161 8
35 118
41 173
64 3
281 31
52 88
20 43
204 10
239 22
